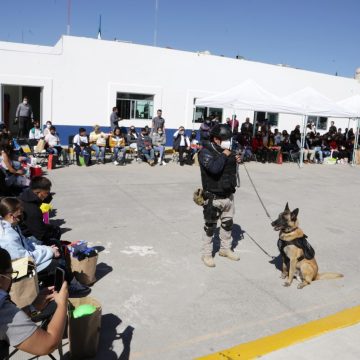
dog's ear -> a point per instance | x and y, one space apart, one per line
294 214
287 207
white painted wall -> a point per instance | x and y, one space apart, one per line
81 76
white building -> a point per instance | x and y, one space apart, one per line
79 80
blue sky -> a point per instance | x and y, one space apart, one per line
316 35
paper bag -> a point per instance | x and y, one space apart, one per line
40 146
24 290
84 332
84 270
357 156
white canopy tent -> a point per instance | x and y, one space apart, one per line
353 104
251 96
313 103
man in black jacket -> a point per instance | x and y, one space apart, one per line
218 167
33 224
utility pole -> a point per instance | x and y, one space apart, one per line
68 18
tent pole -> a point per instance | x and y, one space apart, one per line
356 142
301 160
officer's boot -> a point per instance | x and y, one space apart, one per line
229 254
208 260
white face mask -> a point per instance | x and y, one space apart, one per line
25 102
226 144
48 125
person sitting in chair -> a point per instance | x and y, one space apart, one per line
33 224
16 327
98 144
81 147
117 142
53 144
144 145
12 239
159 141
35 134
182 145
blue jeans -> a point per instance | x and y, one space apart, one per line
122 152
319 151
99 151
148 153
161 150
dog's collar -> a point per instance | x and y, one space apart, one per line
288 232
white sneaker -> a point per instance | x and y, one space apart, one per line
116 163
163 163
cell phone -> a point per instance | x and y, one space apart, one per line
59 278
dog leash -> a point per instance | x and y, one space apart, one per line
261 202
266 212
259 246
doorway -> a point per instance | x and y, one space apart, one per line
12 95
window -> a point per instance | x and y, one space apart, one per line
201 113
135 106
272 118
320 122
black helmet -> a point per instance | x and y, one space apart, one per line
221 131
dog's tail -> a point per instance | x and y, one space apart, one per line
328 276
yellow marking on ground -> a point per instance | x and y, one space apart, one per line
288 337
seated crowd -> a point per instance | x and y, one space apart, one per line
149 145
266 144
23 233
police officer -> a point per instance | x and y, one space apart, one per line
218 167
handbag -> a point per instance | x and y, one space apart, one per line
25 289
40 146
84 332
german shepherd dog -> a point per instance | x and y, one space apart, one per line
297 254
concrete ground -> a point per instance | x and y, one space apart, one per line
151 282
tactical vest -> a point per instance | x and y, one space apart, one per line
301 243
224 183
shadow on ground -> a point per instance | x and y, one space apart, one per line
102 270
237 235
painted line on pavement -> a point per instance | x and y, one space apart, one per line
288 337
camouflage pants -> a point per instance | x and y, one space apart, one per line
227 211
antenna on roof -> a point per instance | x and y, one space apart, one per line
156 21
69 17
99 32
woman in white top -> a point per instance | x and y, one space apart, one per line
47 128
